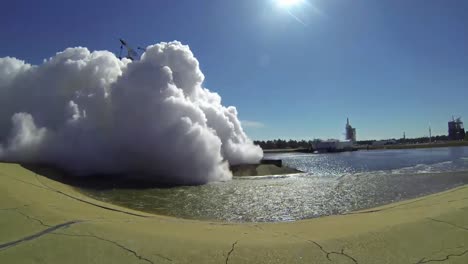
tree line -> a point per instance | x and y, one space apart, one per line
283 144
296 144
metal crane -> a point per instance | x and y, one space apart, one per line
131 53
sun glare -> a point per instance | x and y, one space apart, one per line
288 3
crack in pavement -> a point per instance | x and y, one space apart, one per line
448 223
230 251
37 235
445 249
30 183
116 244
328 253
51 230
161 256
16 209
423 260
32 218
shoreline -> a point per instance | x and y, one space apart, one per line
449 144
453 144
399 232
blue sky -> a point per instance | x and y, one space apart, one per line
390 66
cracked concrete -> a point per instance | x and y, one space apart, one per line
16 207
52 229
32 218
16 210
448 223
447 257
163 257
37 235
328 253
230 251
424 260
133 252
405 235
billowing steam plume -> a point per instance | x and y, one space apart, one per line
91 113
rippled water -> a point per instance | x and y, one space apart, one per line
332 184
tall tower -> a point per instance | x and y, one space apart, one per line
430 135
456 131
350 132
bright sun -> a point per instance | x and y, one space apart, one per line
288 3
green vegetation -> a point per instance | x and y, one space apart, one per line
421 145
424 230
280 145
419 140
283 144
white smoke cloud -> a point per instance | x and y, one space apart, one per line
91 113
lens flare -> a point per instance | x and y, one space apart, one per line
288 3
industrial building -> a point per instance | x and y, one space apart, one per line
350 132
332 145
456 131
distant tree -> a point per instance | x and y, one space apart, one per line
303 144
365 142
293 144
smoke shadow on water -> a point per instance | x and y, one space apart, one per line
98 182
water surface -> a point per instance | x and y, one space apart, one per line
333 184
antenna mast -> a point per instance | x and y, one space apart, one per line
430 135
